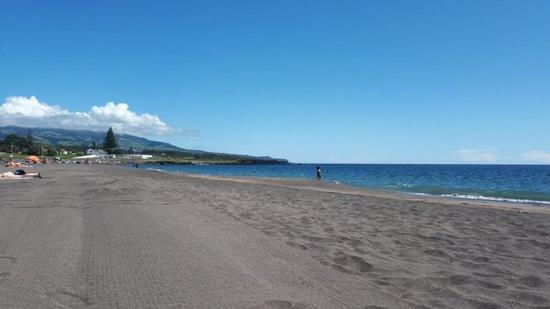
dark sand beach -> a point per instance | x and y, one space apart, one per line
92 236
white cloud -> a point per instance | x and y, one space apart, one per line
477 156
23 111
28 107
536 156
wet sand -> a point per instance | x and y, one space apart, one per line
109 237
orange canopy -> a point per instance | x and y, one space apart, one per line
33 159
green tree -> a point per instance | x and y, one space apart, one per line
28 146
94 146
12 142
110 144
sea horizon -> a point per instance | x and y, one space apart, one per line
493 182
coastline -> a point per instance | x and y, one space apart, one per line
308 184
100 236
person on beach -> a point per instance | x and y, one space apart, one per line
19 174
318 173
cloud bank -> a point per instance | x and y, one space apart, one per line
488 156
536 156
477 156
30 112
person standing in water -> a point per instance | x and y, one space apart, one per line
318 173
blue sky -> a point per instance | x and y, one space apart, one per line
311 81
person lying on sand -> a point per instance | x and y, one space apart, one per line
19 174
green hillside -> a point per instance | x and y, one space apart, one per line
84 138
80 140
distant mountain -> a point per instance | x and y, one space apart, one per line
84 139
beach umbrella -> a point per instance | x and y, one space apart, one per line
33 159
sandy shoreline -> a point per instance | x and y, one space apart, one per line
355 190
111 237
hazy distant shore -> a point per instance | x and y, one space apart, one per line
103 236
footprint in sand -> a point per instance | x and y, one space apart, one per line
481 259
352 263
539 244
532 281
438 253
66 297
459 280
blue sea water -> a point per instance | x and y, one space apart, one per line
513 183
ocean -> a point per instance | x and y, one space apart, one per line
511 183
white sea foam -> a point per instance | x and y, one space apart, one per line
158 170
496 199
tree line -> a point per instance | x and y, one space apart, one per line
13 143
